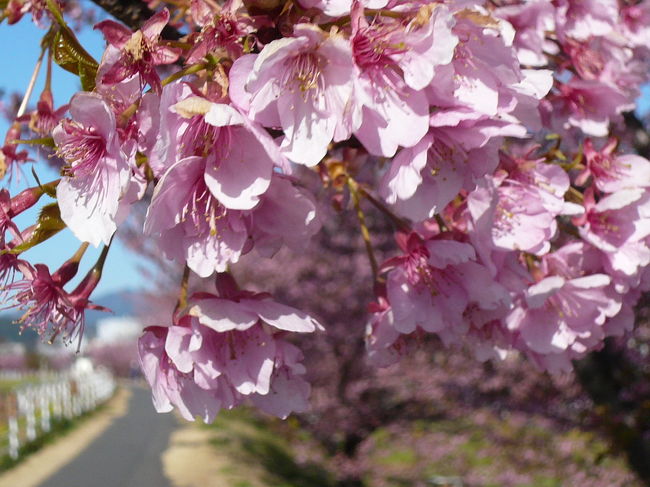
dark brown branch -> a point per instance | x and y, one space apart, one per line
640 132
134 13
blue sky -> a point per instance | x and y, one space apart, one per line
643 105
20 50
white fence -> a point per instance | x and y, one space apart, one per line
32 408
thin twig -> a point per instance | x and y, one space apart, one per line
400 223
30 86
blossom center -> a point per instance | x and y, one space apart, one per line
588 62
199 138
203 210
374 46
304 70
418 270
136 46
82 149
604 224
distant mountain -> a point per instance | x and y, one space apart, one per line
120 304
10 331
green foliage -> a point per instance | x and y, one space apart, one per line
67 52
49 224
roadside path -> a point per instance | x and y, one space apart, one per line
40 465
127 454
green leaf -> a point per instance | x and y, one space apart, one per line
66 50
46 141
87 77
49 224
68 53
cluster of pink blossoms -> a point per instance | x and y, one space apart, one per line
484 130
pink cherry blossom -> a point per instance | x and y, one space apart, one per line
304 85
432 285
531 20
224 165
550 181
169 386
192 224
618 225
635 23
140 51
288 391
96 174
468 127
382 339
287 215
45 117
589 105
11 159
337 8
47 307
16 9
221 353
393 107
612 172
484 65
507 214
224 30
191 125
453 156
586 18
560 316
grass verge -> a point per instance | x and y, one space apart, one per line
260 456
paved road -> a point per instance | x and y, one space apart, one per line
127 454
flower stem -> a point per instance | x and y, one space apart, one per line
365 233
48 74
195 68
575 195
69 269
88 284
182 295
